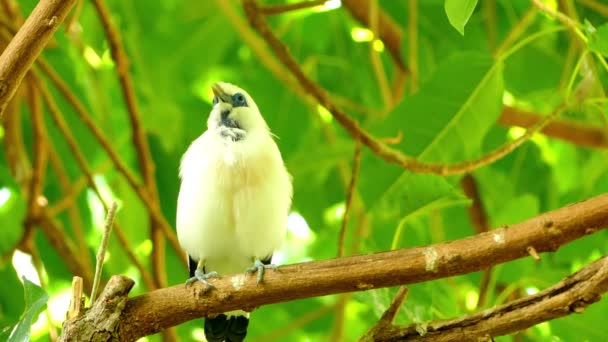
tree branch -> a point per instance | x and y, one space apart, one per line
149 313
568 130
27 44
571 295
353 128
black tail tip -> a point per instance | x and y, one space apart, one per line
226 329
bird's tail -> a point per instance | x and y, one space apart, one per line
226 328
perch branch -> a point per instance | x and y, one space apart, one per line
27 44
151 312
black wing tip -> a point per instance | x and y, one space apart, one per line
224 328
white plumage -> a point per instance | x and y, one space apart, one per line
235 194
234 199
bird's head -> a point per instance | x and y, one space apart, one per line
234 114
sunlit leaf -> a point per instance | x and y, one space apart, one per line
459 12
35 301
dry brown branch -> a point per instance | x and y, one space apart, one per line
383 151
388 317
349 197
278 9
479 219
477 213
27 44
140 141
569 130
571 295
149 313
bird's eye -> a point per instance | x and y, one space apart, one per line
238 100
215 100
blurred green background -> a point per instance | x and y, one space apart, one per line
456 89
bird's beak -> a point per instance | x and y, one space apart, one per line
219 92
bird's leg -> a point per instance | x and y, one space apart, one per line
200 275
260 267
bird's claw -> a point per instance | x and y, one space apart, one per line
260 267
202 277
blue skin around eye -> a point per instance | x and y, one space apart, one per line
238 100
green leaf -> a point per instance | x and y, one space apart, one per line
459 12
35 301
12 212
598 38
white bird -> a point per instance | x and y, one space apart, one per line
234 200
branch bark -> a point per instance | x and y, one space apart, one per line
27 44
150 313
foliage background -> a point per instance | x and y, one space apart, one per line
178 48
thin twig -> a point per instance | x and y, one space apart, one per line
479 219
279 9
564 19
39 160
101 252
375 59
392 310
73 214
412 35
352 127
516 31
349 197
596 6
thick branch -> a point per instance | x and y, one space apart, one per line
27 44
571 295
163 308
